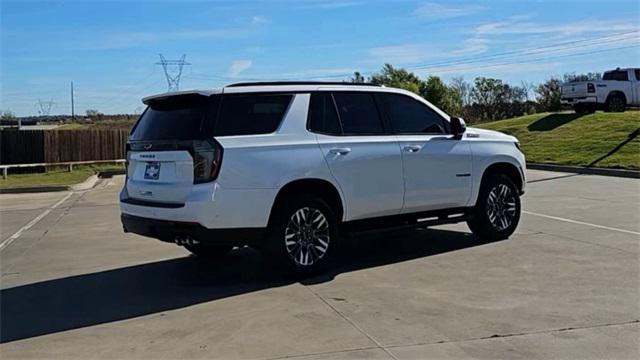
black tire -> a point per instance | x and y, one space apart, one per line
208 251
616 103
302 236
492 218
584 109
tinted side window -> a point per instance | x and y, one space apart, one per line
248 114
358 113
409 116
322 114
637 74
619 75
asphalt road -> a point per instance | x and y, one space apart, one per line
566 285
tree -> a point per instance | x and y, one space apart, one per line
94 114
441 95
357 78
528 88
548 94
398 78
7 115
494 99
573 77
463 90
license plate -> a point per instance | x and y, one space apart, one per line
152 171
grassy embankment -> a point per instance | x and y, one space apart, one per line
569 139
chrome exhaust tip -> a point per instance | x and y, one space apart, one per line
185 240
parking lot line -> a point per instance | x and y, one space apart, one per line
582 223
31 223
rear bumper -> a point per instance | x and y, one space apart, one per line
209 205
167 231
579 100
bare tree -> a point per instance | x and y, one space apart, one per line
528 88
463 89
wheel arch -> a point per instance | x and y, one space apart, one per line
325 189
502 166
508 169
617 93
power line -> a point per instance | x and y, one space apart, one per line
480 66
527 61
507 55
538 50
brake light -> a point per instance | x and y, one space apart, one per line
591 88
207 159
127 155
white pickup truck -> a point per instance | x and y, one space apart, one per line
618 89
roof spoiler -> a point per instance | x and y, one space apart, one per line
149 99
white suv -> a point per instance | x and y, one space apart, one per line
291 167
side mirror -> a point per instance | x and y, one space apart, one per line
458 126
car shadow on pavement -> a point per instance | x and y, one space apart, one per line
102 297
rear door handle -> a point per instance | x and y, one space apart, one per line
412 148
340 151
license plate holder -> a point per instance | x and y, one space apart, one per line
152 170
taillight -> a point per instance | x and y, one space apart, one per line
127 155
207 159
591 88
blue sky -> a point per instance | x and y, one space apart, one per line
108 48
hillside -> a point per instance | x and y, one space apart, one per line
569 139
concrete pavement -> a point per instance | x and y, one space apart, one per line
566 285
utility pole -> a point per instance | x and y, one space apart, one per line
73 114
173 71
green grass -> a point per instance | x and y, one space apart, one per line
568 139
120 124
55 176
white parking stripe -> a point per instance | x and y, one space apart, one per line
9 240
582 223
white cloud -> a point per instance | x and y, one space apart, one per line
515 26
433 11
123 40
238 66
323 4
254 49
310 74
259 19
400 54
472 46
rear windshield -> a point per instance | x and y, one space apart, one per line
175 118
248 114
188 117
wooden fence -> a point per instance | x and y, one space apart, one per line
52 146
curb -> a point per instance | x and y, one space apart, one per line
35 189
110 174
89 183
86 185
633 174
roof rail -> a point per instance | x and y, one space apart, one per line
272 83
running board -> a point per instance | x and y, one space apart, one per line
405 221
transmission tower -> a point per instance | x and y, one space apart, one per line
173 71
44 107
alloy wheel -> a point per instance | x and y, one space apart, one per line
501 207
307 236
616 104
